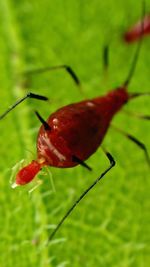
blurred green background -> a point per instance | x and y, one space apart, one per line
110 227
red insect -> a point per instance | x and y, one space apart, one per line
74 132
140 29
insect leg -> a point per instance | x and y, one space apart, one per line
81 162
105 57
137 51
136 141
136 115
45 69
112 163
134 95
28 95
45 124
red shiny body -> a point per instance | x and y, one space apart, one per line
78 129
75 130
140 29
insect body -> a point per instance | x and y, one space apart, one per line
74 133
138 31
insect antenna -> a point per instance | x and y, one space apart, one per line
137 52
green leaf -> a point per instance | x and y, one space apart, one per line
110 226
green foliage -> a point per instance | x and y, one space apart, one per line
111 226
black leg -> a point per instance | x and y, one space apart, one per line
112 163
45 124
136 115
67 68
105 57
29 95
134 95
81 162
137 51
136 141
